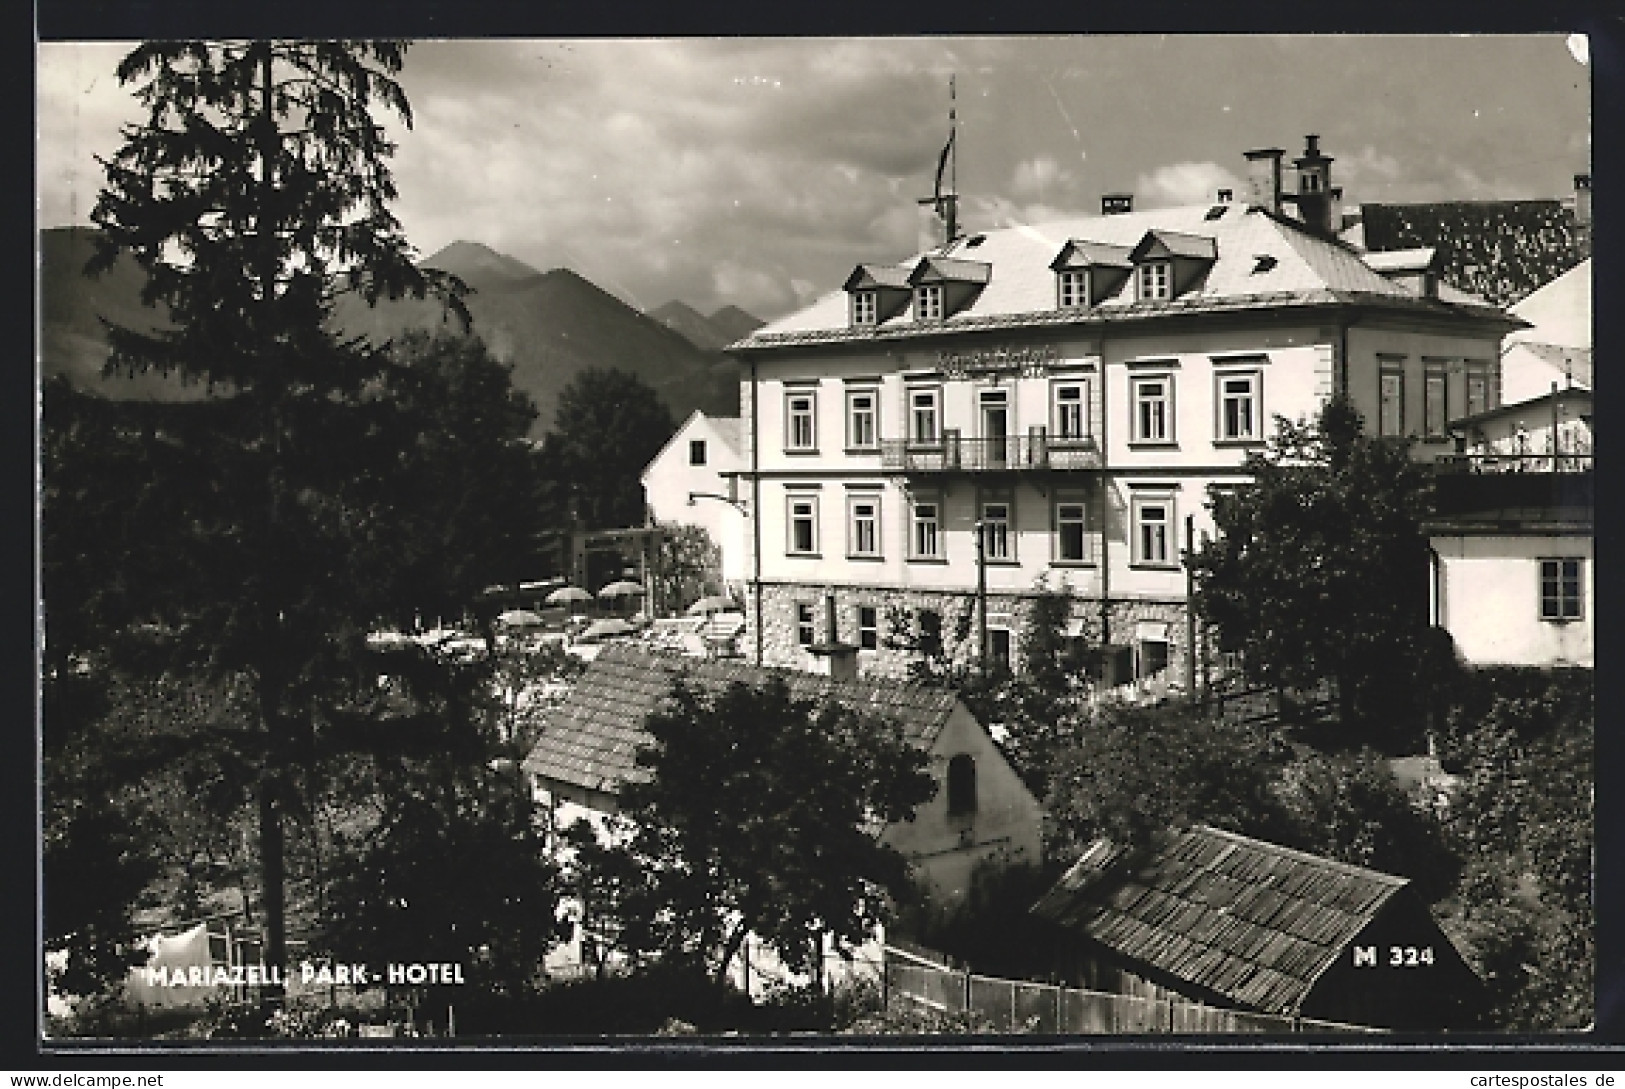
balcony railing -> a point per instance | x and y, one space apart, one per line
1013 453
1514 463
1512 488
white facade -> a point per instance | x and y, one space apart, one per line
703 460
1082 430
1522 600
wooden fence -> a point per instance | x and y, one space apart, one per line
911 980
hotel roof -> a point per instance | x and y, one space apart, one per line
1307 270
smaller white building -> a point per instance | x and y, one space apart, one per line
1557 346
1513 535
694 480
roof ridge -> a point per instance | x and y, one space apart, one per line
1394 880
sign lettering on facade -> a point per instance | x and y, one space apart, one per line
1029 362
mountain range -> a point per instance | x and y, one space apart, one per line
549 326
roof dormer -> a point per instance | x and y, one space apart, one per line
878 293
1416 270
1086 272
943 286
1169 263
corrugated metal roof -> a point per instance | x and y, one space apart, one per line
591 739
1307 270
1254 921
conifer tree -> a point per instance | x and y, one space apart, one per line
254 193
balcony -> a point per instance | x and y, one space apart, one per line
1515 489
1035 452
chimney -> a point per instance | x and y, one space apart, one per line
1112 204
1225 195
1320 206
1264 179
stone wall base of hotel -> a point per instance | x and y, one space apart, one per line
1148 637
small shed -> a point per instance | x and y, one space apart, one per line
1215 917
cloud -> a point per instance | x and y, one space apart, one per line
1036 177
1183 183
691 168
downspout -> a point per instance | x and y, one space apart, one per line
756 504
1105 520
1435 600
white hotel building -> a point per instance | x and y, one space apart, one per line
1076 387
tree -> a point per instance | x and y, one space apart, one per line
609 425
1136 771
761 814
1350 807
256 191
1319 568
1523 822
687 567
472 503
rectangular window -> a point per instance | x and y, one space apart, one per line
868 627
1153 280
1391 402
1153 515
926 538
1478 392
863 526
929 632
996 531
928 302
861 433
804 624
801 414
696 452
1071 533
1074 285
863 308
1433 405
1153 409
1239 409
998 647
1560 589
803 526
925 416
1071 410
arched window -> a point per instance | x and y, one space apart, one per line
961 785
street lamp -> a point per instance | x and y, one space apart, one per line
981 595
737 504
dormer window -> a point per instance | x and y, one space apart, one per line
878 293
1167 264
863 308
1087 272
945 286
1074 287
928 302
1153 281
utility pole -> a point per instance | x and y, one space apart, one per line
1190 607
981 597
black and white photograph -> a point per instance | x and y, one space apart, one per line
1050 539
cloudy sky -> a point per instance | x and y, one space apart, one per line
758 172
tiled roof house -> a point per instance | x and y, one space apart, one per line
1229 920
588 744
1500 250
